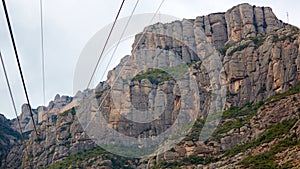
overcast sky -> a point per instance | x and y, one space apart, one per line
69 24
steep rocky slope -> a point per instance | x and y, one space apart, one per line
8 138
251 136
265 135
58 139
260 58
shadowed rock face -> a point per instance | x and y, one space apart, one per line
260 56
8 138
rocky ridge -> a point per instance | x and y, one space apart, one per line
260 55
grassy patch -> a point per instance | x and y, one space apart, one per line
241 116
76 161
155 76
267 159
224 50
279 96
285 37
238 48
195 131
131 151
272 133
191 160
258 41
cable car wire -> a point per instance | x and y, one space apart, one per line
19 64
105 44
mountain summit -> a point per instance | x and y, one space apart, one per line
246 53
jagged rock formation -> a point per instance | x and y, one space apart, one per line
250 136
260 56
258 68
57 140
260 53
8 138
240 22
25 119
40 113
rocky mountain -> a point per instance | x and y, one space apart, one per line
244 63
8 137
263 135
25 119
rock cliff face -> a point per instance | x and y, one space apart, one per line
8 138
240 22
40 113
260 54
252 136
176 67
25 119
58 139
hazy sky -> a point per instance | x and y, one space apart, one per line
69 24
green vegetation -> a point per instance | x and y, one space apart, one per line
245 110
267 159
238 48
285 37
241 116
224 50
193 135
238 117
131 151
186 161
279 96
178 72
155 76
272 133
258 40
195 131
90 156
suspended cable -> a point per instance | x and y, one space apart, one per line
119 41
43 52
43 71
110 32
141 37
19 64
14 105
143 34
11 95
